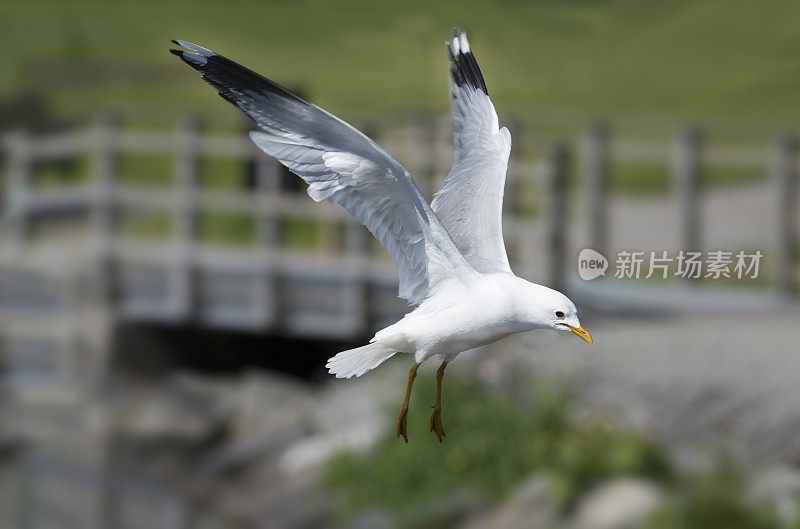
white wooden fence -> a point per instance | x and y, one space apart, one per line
344 252
63 288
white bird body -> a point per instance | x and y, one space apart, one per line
450 254
460 318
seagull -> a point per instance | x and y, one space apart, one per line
450 255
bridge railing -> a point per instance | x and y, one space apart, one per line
537 212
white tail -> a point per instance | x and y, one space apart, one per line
358 361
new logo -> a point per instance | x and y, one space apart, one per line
591 264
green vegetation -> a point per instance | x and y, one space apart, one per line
714 500
541 436
500 437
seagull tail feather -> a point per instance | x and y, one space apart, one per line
356 362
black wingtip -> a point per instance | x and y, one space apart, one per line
174 41
228 77
463 67
181 55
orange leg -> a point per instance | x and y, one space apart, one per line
402 419
436 414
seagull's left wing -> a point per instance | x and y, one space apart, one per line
342 166
470 205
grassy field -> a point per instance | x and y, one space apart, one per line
647 65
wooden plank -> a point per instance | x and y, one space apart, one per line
102 221
686 176
18 191
267 291
187 174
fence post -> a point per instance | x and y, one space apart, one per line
594 157
102 221
268 186
18 190
104 168
686 174
785 176
556 182
187 174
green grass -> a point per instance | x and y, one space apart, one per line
145 226
645 178
227 228
222 174
301 234
646 64
54 174
146 170
645 67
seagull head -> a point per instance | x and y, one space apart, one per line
546 308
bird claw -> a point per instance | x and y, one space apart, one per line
402 423
436 422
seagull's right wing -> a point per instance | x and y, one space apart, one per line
470 204
342 166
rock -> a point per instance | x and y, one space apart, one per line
372 519
618 504
312 452
270 413
529 507
779 485
347 417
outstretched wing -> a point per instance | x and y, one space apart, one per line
342 166
470 205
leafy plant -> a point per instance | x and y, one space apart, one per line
497 440
715 499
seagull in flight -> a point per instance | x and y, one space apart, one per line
449 254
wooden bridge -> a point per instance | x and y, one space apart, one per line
71 270
69 273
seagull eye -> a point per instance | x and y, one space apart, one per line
559 314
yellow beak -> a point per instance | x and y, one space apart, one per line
581 333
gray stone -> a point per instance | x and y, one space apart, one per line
372 519
779 485
531 506
618 504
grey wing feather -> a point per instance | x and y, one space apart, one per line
342 166
470 204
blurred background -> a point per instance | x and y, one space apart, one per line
169 295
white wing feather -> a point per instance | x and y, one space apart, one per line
343 166
470 204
